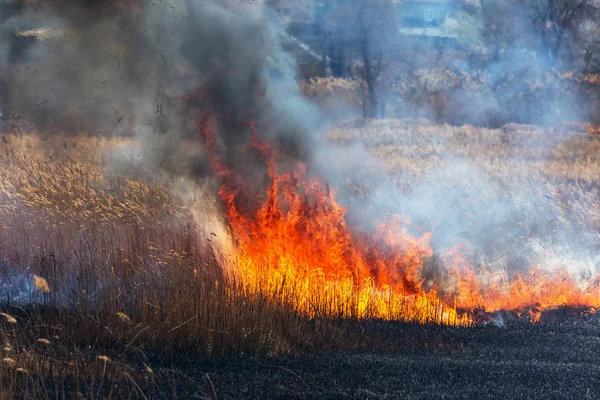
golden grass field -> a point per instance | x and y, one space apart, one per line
514 199
560 162
126 259
93 256
568 152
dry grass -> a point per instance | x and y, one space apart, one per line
465 97
99 267
564 155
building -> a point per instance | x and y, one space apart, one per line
427 23
426 13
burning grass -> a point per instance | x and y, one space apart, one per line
111 264
92 256
541 251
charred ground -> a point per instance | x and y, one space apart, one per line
511 358
519 361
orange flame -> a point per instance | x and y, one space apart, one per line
297 246
298 234
533 291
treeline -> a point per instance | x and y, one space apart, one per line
511 57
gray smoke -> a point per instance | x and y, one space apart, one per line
156 72
152 72
490 191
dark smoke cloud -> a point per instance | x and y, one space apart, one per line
246 79
79 74
151 69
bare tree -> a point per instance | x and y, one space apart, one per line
355 38
588 40
591 62
376 31
552 20
367 30
499 29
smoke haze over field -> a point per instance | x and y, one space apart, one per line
460 62
155 69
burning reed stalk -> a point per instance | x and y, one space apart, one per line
127 264
103 245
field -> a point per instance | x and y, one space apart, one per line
515 199
117 282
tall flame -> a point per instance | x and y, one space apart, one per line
296 245
297 239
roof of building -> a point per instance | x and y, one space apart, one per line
433 31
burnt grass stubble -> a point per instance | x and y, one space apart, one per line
154 357
504 357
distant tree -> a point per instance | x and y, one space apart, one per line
552 20
378 33
588 38
357 38
498 28
366 31
591 57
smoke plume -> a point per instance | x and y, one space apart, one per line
153 70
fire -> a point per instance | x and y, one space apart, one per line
534 291
295 245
